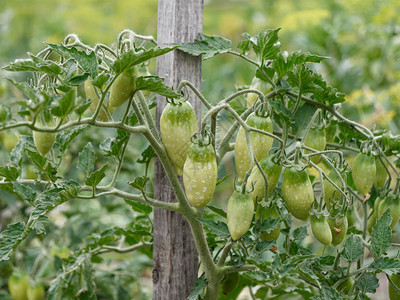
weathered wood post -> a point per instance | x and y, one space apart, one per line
175 256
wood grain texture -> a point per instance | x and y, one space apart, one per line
175 257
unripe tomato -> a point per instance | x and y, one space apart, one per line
36 292
272 170
393 293
338 228
297 192
331 131
374 216
346 286
61 252
18 285
177 125
10 140
3 87
321 230
381 174
230 282
256 84
263 213
200 174
260 143
331 194
44 141
122 87
316 139
351 217
91 94
390 202
364 170
239 213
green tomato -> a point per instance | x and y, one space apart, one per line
331 194
331 131
3 87
394 294
351 217
61 252
271 170
373 217
91 94
321 230
297 192
44 141
256 84
123 87
36 292
263 213
338 228
240 212
177 125
230 282
10 140
260 143
200 174
363 172
381 174
315 139
18 285
346 286
391 202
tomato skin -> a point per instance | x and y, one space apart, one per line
297 192
44 141
177 125
393 293
381 174
230 282
271 170
240 212
36 292
18 285
315 139
256 84
321 230
392 203
200 174
331 131
351 217
91 94
263 213
340 224
373 217
363 172
331 194
122 88
260 143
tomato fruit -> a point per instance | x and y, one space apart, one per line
297 192
338 228
240 212
271 170
331 130
44 141
351 217
321 230
230 282
36 292
381 174
315 139
346 286
364 170
394 294
123 87
91 94
263 213
200 174
18 285
10 140
177 125
260 143
256 84
331 194
374 216
391 202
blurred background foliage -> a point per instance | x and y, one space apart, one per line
362 37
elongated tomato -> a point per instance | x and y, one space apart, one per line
364 170
239 213
256 84
91 94
122 87
316 139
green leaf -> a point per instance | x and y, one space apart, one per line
299 234
155 84
10 238
83 106
24 191
10 172
368 283
140 207
139 182
387 265
353 249
265 44
217 210
263 246
64 105
303 78
17 153
327 293
208 46
381 236
130 59
215 227
96 176
46 66
147 155
87 158
26 89
78 79
198 289
88 61
100 80
22 65
65 137
244 45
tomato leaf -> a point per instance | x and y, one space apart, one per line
265 44
87 158
139 182
10 172
215 227
198 289
147 155
368 283
64 105
217 210
387 265
353 249
10 238
155 84
381 236
97 176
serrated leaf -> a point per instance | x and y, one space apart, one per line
46 66
139 182
208 46
281 110
266 44
10 238
353 249
299 234
87 158
387 265
64 105
17 153
65 137
155 84
140 207
215 227
10 172
147 155
263 246
368 283
381 236
327 293
78 79
24 191
100 80
96 176
22 65
83 106
26 89
198 289
304 79
130 59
